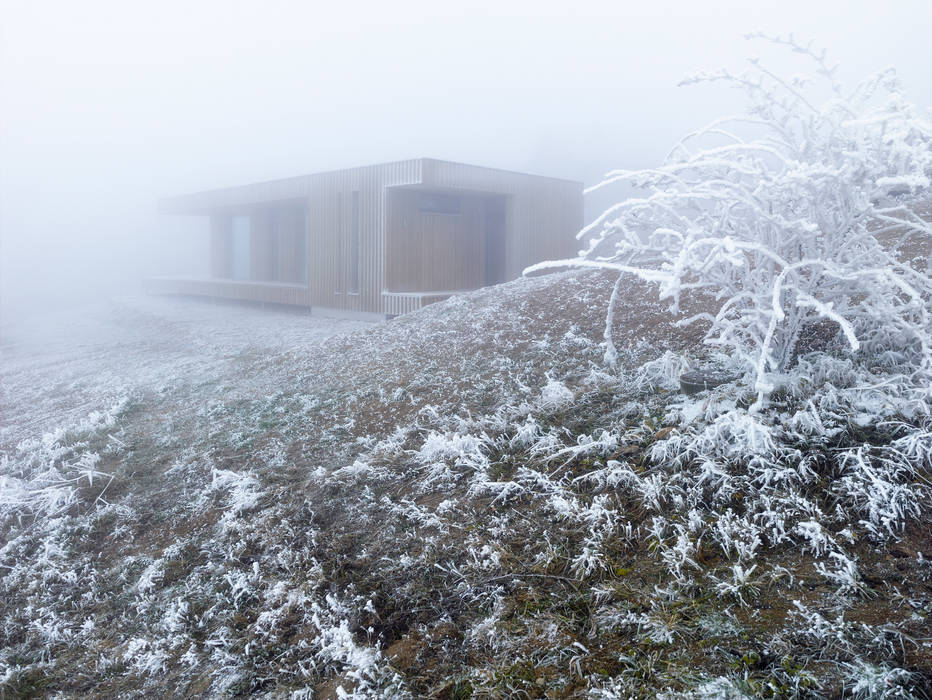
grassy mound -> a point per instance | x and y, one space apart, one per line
464 502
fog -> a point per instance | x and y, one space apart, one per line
106 106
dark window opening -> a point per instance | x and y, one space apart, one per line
241 241
270 245
439 203
273 262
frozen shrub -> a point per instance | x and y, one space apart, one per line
791 214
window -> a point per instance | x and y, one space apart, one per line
270 245
273 261
240 252
439 203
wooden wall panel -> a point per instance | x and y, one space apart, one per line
330 197
292 259
543 215
431 252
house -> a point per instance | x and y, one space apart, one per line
378 240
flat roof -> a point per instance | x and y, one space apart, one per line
298 187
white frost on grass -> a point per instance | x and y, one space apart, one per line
554 395
272 516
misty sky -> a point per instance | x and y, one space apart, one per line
105 106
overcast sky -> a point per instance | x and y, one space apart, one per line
107 105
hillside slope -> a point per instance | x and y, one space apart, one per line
460 502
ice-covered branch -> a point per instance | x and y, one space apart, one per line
800 215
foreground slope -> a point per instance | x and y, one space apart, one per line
460 502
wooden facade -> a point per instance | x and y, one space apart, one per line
381 239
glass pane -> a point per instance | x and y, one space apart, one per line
241 247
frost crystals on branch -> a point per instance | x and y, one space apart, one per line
798 211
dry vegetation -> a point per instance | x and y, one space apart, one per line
459 503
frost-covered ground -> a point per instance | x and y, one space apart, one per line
59 366
202 500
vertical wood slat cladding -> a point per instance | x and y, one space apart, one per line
543 214
442 252
292 259
427 251
287 247
354 252
330 227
